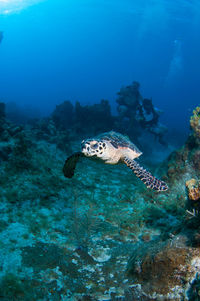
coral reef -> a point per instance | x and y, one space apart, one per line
195 124
45 129
68 123
194 291
165 269
21 115
93 119
193 187
2 110
100 235
184 161
135 116
7 129
63 115
193 192
8 134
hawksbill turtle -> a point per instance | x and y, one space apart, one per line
113 148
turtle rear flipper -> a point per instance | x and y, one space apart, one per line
145 176
70 164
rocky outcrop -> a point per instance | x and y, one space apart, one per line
165 270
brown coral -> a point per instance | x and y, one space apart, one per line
193 188
161 267
195 122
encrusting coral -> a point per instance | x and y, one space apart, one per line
164 267
186 160
195 123
193 188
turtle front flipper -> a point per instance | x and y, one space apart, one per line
145 176
70 164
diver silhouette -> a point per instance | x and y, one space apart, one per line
1 36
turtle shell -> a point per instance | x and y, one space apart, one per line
119 141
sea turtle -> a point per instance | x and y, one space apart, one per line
113 148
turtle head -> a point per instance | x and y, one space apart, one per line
93 147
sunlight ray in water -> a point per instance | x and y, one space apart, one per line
13 6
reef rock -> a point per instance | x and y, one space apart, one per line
81 119
63 115
195 124
165 270
184 162
8 133
93 119
2 110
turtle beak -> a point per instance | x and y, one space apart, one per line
85 146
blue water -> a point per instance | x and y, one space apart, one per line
86 50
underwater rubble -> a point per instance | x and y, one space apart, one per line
100 235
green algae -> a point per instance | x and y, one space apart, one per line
42 256
16 288
3 225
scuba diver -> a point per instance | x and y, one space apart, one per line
1 36
148 114
148 118
137 113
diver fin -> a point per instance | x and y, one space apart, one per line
70 164
145 176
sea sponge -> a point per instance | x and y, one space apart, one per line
159 267
195 122
193 188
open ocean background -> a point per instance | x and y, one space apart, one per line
86 50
